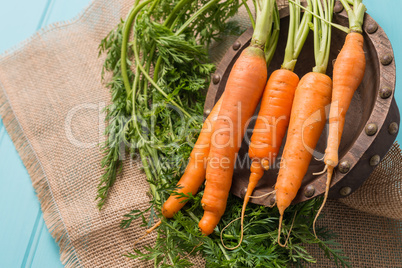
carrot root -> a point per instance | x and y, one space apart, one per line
330 169
147 232
241 233
280 229
321 172
264 195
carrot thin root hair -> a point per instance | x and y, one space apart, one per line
280 229
321 172
320 159
330 170
241 233
241 224
147 232
264 195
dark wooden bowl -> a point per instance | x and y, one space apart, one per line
371 122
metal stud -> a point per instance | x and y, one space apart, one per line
371 129
309 191
375 160
208 111
393 128
386 59
236 45
345 191
344 166
338 7
372 28
216 79
385 92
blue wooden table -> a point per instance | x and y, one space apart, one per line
24 238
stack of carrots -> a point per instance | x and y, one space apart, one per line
286 104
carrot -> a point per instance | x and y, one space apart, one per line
194 174
248 75
274 115
243 91
307 119
348 73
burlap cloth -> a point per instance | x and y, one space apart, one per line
51 96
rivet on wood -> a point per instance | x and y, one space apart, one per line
344 167
386 59
216 79
309 192
345 191
375 160
243 192
393 128
371 129
236 45
385 92
338 7
372 28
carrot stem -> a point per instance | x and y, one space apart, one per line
322 34
126 33
263 25
337 26
298 32
272 42
250 15
355 15
224 251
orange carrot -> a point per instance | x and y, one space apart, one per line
273 117
243 91
248 75
348 73
308 118
307 121
194 174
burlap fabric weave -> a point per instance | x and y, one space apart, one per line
51 96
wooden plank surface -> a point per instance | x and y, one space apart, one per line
24 238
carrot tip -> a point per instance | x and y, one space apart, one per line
147 232
241 234
328 183
280 228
